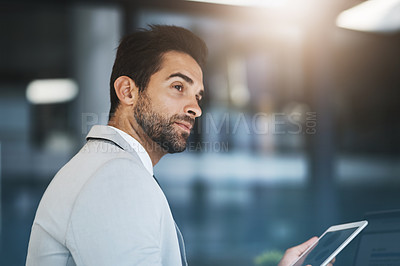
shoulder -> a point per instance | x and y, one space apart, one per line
119 209
120 192
120 184
119 176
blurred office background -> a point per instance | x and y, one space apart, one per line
300 127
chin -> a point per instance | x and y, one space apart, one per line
177 148
176 151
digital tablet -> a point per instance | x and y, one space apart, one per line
330 243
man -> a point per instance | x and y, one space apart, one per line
104 207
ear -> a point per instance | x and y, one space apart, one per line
126 90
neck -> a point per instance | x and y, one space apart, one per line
133 129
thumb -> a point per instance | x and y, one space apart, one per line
303 247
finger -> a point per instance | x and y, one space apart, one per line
303 247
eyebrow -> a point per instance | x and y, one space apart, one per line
182 76
187 79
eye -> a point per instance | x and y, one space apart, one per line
178 87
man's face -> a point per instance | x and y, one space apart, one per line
167 108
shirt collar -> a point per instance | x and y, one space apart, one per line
138 148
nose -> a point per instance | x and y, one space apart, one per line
193 108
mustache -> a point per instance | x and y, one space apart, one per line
184 118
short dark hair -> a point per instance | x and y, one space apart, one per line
139 54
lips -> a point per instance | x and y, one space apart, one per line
184 125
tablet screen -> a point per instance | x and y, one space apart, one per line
326 245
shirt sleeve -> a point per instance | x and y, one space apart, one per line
116 218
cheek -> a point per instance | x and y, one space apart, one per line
169 107
166 102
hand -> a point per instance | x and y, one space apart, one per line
292 254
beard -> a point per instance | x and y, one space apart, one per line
160 128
